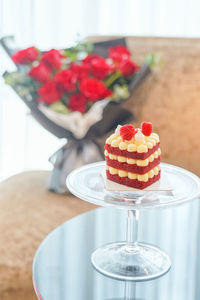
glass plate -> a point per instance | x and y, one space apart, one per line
87 184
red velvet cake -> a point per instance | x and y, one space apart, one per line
133 156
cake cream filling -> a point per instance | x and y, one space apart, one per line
138 162
144 177
115 140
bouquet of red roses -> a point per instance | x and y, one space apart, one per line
76 93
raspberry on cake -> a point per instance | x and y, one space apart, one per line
133 156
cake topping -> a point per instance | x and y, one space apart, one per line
123 146
117 130
142 149
149 145
132 148
129 139
139 137
114 143
127 132
146 128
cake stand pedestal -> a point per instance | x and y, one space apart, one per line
132 260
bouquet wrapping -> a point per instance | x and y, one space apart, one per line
76 94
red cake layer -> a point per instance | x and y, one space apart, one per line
132 168
117 151
132 182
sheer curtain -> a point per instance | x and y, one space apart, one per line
58 23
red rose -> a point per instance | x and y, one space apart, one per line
80 71
90 58
77 102
98 66
127 67
118 53
40 73
94 89
66 80
25 56
52 59
49 93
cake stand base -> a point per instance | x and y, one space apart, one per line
131 262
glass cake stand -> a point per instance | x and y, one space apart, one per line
132 260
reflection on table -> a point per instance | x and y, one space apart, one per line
62 269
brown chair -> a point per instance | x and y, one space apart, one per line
28 212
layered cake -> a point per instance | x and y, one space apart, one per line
133 156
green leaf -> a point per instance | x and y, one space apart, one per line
89 47
153 60
59 107
71 55
120 92
80 47
15 78
112 78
